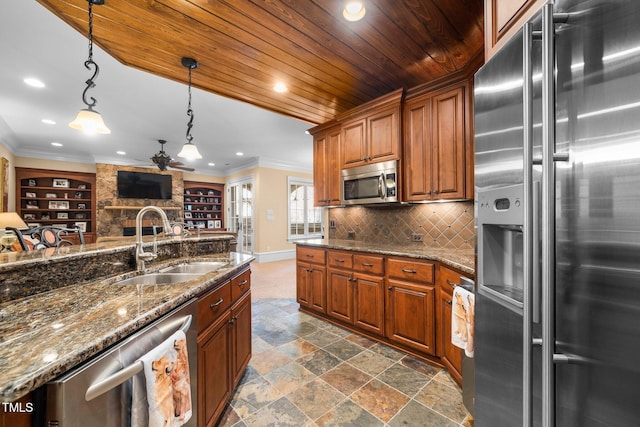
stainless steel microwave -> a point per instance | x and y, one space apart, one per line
373 183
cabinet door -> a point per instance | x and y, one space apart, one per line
303 286
417 150
241 321
340 295
318 289
448 145
333 166
214 370
410 315
450 354
320 162
369 303
383 137
354 150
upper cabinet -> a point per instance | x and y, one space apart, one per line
326 165
503 18
371 133
435 146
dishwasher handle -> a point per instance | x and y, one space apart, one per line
102 386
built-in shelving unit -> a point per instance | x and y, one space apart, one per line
204 205
48 197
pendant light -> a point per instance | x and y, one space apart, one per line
88 119
189 150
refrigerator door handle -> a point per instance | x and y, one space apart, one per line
548 216
528 229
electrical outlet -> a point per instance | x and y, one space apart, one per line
332 224
351 234
417 237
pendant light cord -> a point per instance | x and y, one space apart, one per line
189 111
89 64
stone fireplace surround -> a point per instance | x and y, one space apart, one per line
114 214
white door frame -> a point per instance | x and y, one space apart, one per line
246 240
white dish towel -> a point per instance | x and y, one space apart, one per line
168 385
462 319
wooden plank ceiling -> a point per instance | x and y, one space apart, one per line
244 46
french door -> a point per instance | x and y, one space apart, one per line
240 212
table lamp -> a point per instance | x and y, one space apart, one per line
13 220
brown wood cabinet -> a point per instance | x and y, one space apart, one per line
435 145
326 166
18 413
310 278
49 197
450 355
401 301
355 290
503 18
372 133
410 304
204 205
224 344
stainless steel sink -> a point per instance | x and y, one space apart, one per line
198 267
158 279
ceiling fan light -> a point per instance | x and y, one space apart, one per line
189 152
89 121
353 11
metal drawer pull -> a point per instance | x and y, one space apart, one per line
102 386
244 282
406 270
450 283
339 260
455 285
309 256
366 264
215 304
449 302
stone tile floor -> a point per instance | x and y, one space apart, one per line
308 372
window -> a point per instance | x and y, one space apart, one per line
305 220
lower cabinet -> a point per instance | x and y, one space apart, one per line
310 279
355 292
399 300
224 345
450 355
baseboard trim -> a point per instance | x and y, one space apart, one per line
275 256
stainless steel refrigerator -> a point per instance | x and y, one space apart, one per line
557 175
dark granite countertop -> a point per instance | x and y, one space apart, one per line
460 259
44 335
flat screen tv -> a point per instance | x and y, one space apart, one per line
143 185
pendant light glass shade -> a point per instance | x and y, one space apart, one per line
89 121
190 152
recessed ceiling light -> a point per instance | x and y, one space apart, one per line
34 82
280 87
48 121
353 11
239 153
56 144
211 164
122 153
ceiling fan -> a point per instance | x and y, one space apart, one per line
163 160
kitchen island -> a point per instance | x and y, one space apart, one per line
55 328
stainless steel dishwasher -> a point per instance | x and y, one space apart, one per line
99 392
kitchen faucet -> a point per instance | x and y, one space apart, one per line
141 255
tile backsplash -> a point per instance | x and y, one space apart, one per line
444 225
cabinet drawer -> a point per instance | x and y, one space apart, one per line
448 279
339 259
313 255
409 269
213 304
372 264
240 284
